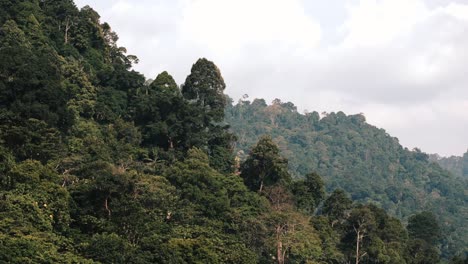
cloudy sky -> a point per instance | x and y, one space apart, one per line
403 63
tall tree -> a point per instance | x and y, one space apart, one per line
265 166
362 223
205 87
204 90
158 111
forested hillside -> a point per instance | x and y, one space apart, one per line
100 165
456 165
361 159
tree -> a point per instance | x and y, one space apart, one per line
292 235
158 110
424 233
330 238
362 222
264 166
309 193
30 83
65 14
294 238
424 226
15 54
204 87
336 205
420 252
198 183
204 91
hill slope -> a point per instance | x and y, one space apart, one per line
363 160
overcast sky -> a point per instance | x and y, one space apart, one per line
403 63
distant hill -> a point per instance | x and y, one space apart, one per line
455 164
360 158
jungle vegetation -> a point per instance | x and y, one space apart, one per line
100 165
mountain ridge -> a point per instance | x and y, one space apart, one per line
353 155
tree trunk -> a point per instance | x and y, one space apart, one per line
358 239
279 252
106 205
171 144
279 245
67 28
357 248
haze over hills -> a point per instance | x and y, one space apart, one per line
456 165
100 165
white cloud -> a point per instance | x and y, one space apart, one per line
401 62
226 26
457 10
376 22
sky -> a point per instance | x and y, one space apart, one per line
402 63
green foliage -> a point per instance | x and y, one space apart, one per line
381 238
309 192
459 260
98 165
206 245
336 205
264 167
424 226
31 139
34 212
109 248
204 87
359 158
456 165
33 249
330 239
420 252
204 93
158 110
200 184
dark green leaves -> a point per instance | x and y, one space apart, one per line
264 166
204 87
424 226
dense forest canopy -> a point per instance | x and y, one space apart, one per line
363 160
100 165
